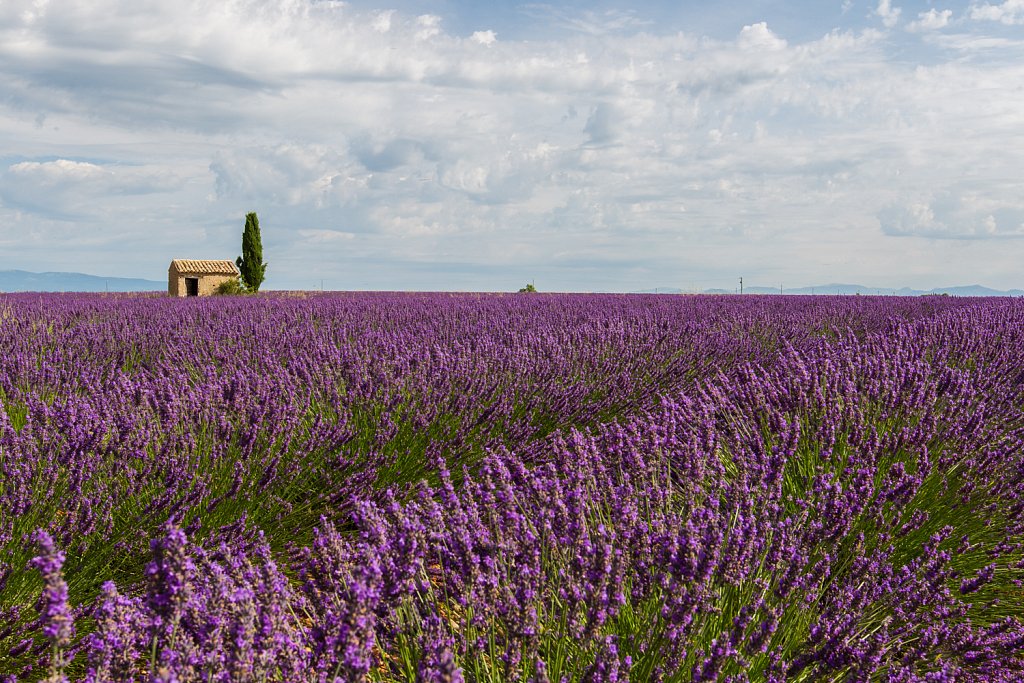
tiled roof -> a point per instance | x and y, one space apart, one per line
193 266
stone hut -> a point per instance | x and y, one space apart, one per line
190 277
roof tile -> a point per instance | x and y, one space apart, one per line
203 267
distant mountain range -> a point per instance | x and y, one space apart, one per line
835 288
24 281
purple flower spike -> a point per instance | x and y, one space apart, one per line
983 577
55 613
437 664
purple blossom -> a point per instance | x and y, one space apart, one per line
58 623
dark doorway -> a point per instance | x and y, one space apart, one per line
191 286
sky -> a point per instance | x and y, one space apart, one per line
456 145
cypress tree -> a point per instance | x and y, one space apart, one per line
250 263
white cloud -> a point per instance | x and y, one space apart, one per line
428 26
601 125
932 20
759 37
1010 12
466 177
381 22
72 214
954 214
889 15
588 22
290 175
64 186
52 172
380 137
326 236
484 37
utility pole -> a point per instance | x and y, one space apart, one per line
741 285
780 288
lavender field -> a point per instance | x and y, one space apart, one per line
434 487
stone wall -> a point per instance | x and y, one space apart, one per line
207 283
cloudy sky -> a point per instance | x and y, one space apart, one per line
455 144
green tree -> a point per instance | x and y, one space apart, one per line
528 289
250 263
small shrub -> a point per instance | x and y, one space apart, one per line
528 289
230 287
